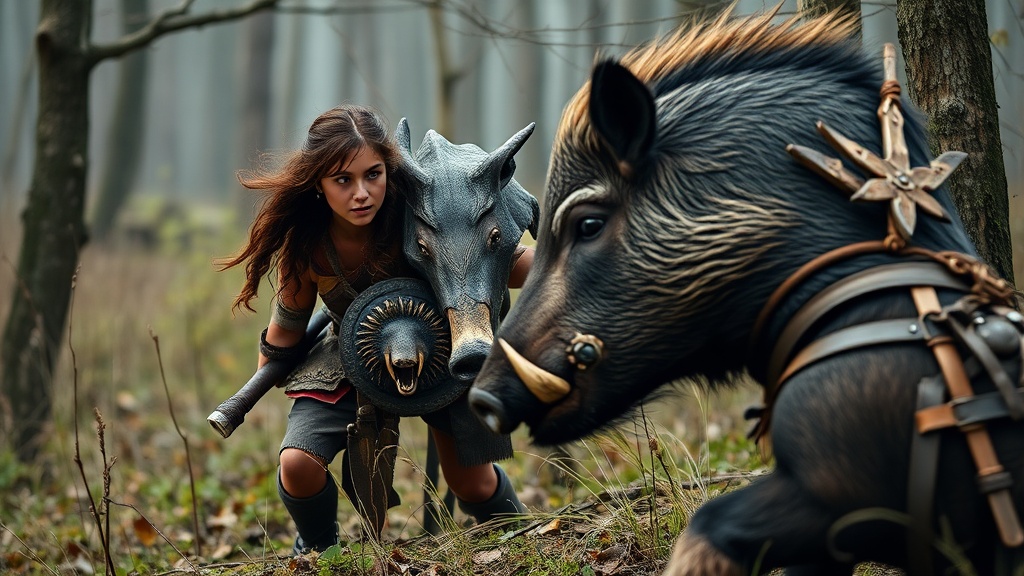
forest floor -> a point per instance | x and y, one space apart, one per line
130 470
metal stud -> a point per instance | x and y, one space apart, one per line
584 351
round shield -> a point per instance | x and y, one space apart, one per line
395 346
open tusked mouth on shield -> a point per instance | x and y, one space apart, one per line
405 372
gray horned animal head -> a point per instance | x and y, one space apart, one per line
465 217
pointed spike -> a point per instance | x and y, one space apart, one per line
904 213
861 156
831 169
874 190
928 204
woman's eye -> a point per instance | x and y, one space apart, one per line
494 239
423 248
342 180
589 228
373 175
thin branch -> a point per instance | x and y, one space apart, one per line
193 568
172 20
29 552
94 511
184 439
101 426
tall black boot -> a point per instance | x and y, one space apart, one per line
316 517
503 502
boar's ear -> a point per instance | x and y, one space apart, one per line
409 163
622 111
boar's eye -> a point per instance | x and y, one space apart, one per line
493 239
423 248
589 228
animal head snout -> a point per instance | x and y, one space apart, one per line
403 362
471 339
468 358
490 410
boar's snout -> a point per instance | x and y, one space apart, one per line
490 410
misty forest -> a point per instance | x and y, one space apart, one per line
123 127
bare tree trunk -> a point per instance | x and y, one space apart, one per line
124 144
448 74
949 76
255 125
54 230
53 226
820 7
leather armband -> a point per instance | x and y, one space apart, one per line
279 353
290 318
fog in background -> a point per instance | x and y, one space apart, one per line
521 61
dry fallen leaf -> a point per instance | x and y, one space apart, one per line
222 552
144 531
553 526
487 556
225 518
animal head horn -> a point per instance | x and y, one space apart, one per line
409 163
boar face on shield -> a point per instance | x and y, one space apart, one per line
465 217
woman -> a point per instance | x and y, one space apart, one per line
332 226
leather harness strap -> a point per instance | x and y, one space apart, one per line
782 363
871 280
964 412
993 480
941 329
924 465
371 453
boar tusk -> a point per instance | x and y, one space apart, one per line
391 369
547 387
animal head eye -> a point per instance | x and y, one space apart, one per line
493 239
423 248
589 228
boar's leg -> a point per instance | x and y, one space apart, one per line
771 523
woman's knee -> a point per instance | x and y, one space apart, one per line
472 483
302 474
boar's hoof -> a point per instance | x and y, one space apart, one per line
490 411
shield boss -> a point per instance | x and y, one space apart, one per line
395 346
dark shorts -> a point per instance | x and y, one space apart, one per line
321 428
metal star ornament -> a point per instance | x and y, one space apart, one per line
893 179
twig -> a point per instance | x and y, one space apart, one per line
93 510
184 557
652 444
723 478
30 554
224 565
184 439
101 426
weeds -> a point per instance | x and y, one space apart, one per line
614 503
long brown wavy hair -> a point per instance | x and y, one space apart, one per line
293 220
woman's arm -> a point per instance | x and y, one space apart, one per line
520 267
292 310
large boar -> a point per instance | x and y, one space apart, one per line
465 218
673 218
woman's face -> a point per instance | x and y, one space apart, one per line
355 190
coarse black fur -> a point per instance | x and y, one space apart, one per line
664 233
